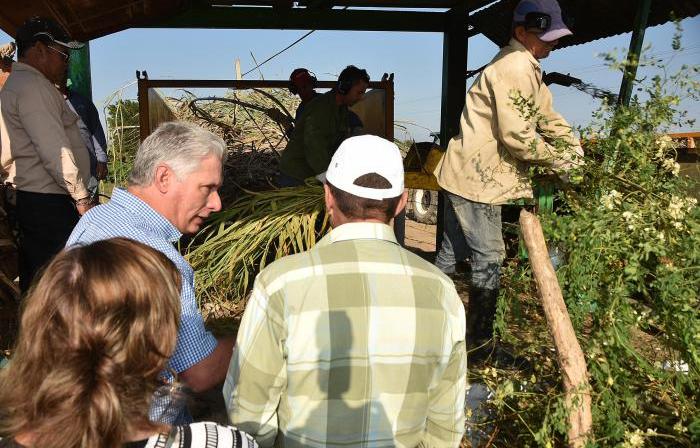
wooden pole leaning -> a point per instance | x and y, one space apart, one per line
569 354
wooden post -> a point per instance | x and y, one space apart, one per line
144 109
569 354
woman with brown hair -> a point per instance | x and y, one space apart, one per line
95 337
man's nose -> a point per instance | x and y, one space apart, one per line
214 202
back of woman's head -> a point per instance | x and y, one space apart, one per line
96 331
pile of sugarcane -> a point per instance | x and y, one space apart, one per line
255 230
254 124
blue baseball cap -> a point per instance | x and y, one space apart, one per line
557 28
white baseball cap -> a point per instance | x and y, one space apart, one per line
366 154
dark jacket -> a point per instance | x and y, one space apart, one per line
320 129
88 113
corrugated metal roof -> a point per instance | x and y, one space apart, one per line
89 19
588 19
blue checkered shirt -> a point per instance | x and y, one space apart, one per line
129 217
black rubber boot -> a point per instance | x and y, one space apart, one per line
481 311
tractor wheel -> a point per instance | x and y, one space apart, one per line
423 206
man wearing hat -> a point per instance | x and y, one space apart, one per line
42 153
357 342
487 164
7 53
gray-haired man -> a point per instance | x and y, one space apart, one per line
173 188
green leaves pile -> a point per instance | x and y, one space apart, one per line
630 231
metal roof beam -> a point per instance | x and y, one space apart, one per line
390 3
303 19
398 4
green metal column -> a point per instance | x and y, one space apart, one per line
454 88
79 71
640 24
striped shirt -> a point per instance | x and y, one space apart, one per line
196 435
356 342
127 216
199 435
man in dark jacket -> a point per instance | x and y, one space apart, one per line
323 125
90 130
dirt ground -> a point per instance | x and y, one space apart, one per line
421 238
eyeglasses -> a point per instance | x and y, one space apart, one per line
66 56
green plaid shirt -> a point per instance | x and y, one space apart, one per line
357 342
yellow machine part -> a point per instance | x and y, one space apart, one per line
425 179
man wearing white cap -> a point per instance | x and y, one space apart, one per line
356 342
507 124
43 155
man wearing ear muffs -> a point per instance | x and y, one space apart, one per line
323 124
486 165
302 82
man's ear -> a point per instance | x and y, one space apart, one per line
519 33
402 203
329 199
163 178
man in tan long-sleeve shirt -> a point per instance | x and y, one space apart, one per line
487 164
42 154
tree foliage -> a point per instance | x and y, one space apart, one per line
123 133
629 228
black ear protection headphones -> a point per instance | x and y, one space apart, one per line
537 22
344 85
298 75
348 77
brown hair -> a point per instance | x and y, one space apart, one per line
95 333
357 208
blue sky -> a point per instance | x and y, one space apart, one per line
415 58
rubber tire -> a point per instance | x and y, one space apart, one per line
423 206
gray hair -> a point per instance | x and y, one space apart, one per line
178 144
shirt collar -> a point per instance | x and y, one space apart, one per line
359 231
152 218
517 46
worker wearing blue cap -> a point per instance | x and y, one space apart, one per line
487 164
